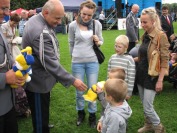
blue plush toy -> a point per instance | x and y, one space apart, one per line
23 64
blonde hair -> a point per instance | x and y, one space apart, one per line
123 39
117 89
118 73
153 15
89 4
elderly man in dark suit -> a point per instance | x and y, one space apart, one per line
132 27
8 121
167 23
39 34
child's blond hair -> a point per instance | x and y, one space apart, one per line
117 89
118 73
123 39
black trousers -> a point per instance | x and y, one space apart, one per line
39 105
8 122
130 46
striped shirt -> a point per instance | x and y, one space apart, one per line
127 63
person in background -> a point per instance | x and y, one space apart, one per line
127 7
102 18
75 15
112 9
84 59
175 16
134 53
123 60
167 24
47 70
132 27
9 28
148 85
31 13
117 111
8 120
64 24
24 18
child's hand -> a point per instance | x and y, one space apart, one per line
98 89
99 126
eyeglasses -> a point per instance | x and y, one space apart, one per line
5 9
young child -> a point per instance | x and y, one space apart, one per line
117 111
117 73
123 60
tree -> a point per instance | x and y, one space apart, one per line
30 4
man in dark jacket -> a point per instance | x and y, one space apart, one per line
132 27
167 23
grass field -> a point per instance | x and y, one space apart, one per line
63 114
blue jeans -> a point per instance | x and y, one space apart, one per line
90 71
147 97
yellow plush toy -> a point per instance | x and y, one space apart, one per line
23 64
91 95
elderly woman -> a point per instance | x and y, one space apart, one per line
9 28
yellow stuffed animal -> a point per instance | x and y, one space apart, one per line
91 95
23 62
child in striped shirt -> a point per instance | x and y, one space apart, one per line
123 60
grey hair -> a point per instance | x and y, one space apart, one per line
153 15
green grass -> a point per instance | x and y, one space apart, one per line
63 114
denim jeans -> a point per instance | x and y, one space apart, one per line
147 97
89 71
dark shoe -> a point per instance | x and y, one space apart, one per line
92 120
81 117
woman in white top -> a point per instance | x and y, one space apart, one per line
102 18
84 61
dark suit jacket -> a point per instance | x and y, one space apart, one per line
43 80
168 29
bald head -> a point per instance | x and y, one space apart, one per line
135 9
53 11
52 5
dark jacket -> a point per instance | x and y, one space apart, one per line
168 29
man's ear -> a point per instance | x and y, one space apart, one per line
45 12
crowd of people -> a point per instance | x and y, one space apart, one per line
125 70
